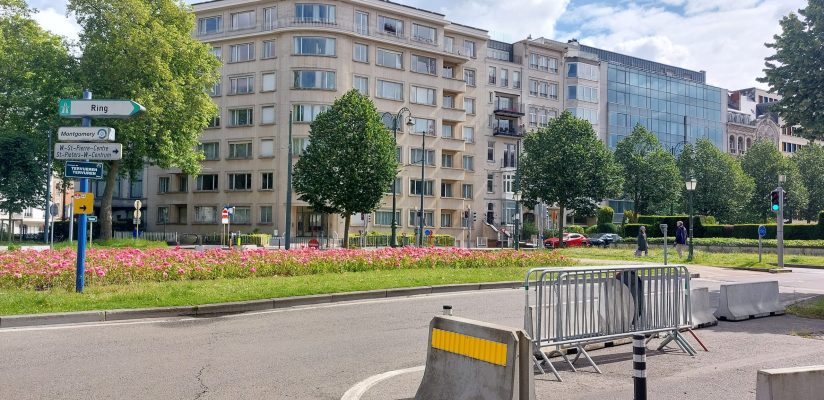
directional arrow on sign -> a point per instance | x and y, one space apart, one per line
75 108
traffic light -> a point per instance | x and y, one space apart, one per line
474 216
786 199
466 214
774 201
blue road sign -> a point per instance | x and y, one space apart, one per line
762 230
84 170
427 232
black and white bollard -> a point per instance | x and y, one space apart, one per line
447 310
639 366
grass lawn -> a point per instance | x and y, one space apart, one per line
656 255
808 309
178 293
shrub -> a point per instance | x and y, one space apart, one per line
605 215
631 230
607 228
630 217
575 229
590 230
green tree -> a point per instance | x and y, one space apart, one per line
144 50
35 70
723 190
566 164
794 71
350 160
651 177
763 163
810 163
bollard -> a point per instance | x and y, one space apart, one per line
447 310
639 366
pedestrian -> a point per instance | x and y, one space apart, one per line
680 238
642 242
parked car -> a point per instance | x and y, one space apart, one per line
604 239
570 240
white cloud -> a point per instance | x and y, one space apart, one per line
57 23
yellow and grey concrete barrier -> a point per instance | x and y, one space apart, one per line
469 359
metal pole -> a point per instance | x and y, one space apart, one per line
289 187
82 220
690 254
780 228
423 164
48 189
517 201
639 367
393 237
71 224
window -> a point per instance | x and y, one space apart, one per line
182 183
182 214
162 215
507 178
315 13
447 160
588 114
421 95
390 90
446 189
299 145
240 150
583 71
269 80
448 43
448 101
362 22
543 89
384 218
467 191
447 131
490 183
361 83
424 65
469 134
424 33
268 49
584 93
504 77
415 187
241 52
390 26
217 51
490 151
210 150
469 47
572 70
469 105
243 20
423 125
312 79
265 214
205 214
240 181
267 148
396 186
360 52
415 157
163 184
553 90
242 84
216 90
307 112
240 117
469 163
215 121
267 181
399 154
446 219
206 182
509 155
389 58
210 25
516 79
270 17
469 76
492 75
543 63
242 215
428 218
314 46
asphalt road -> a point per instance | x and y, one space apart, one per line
319 352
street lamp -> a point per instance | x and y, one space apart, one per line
423 170
395 118
690 184
517 197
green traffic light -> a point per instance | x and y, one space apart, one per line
775 207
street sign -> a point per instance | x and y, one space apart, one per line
136 214
75 108
427 232
85 134
83 203
81 170
224 216
762 230
138 204
136 221
92 218
53 209
88 151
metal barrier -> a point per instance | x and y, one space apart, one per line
577 306
154 236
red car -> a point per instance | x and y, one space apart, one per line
570 240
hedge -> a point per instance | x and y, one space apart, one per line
741 231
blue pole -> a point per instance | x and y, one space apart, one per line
82 220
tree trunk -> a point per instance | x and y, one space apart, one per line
11 228
345 243
560 226
105 214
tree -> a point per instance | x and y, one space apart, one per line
35 70
723 190
794 71
810 163
350 160
763 163
651 176
566 164
144 50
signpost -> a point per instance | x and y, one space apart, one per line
83 203
762 231
76 108
84 170
664 231
224 219
88 151
85 134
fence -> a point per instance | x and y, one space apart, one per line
156 236
581 305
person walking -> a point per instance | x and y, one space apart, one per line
680 238
642 242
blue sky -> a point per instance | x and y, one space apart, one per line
724 38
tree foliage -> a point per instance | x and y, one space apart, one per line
350 160
764 163
651 176
795 72
810 163
144 50
566 164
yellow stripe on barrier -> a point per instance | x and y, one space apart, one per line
469 346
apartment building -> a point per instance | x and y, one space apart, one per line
749 119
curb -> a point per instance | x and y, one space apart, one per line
770 271
806 266
17 321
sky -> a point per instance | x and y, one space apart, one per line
724 38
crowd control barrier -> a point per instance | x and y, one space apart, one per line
576 306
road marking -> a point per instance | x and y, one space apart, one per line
355 392
83 325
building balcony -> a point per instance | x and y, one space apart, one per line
512 132
509 109
453 114
453 85
452 174
453 203
452 144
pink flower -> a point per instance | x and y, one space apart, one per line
253 270
181 271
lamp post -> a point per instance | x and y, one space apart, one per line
690 184
288 230
517 197
423 185
395 118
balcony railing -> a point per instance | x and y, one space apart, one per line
504 131
509 108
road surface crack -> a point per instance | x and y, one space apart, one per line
203 387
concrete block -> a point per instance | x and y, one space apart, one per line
165 312
502 285
740 301
51 319
365 295
236 307
469 359
702 315
302 300
413 291
800 383
455 288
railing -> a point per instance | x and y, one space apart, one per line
509 107
501 131
491 80
154 236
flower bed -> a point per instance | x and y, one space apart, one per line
47 269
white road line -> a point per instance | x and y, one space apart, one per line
355 392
